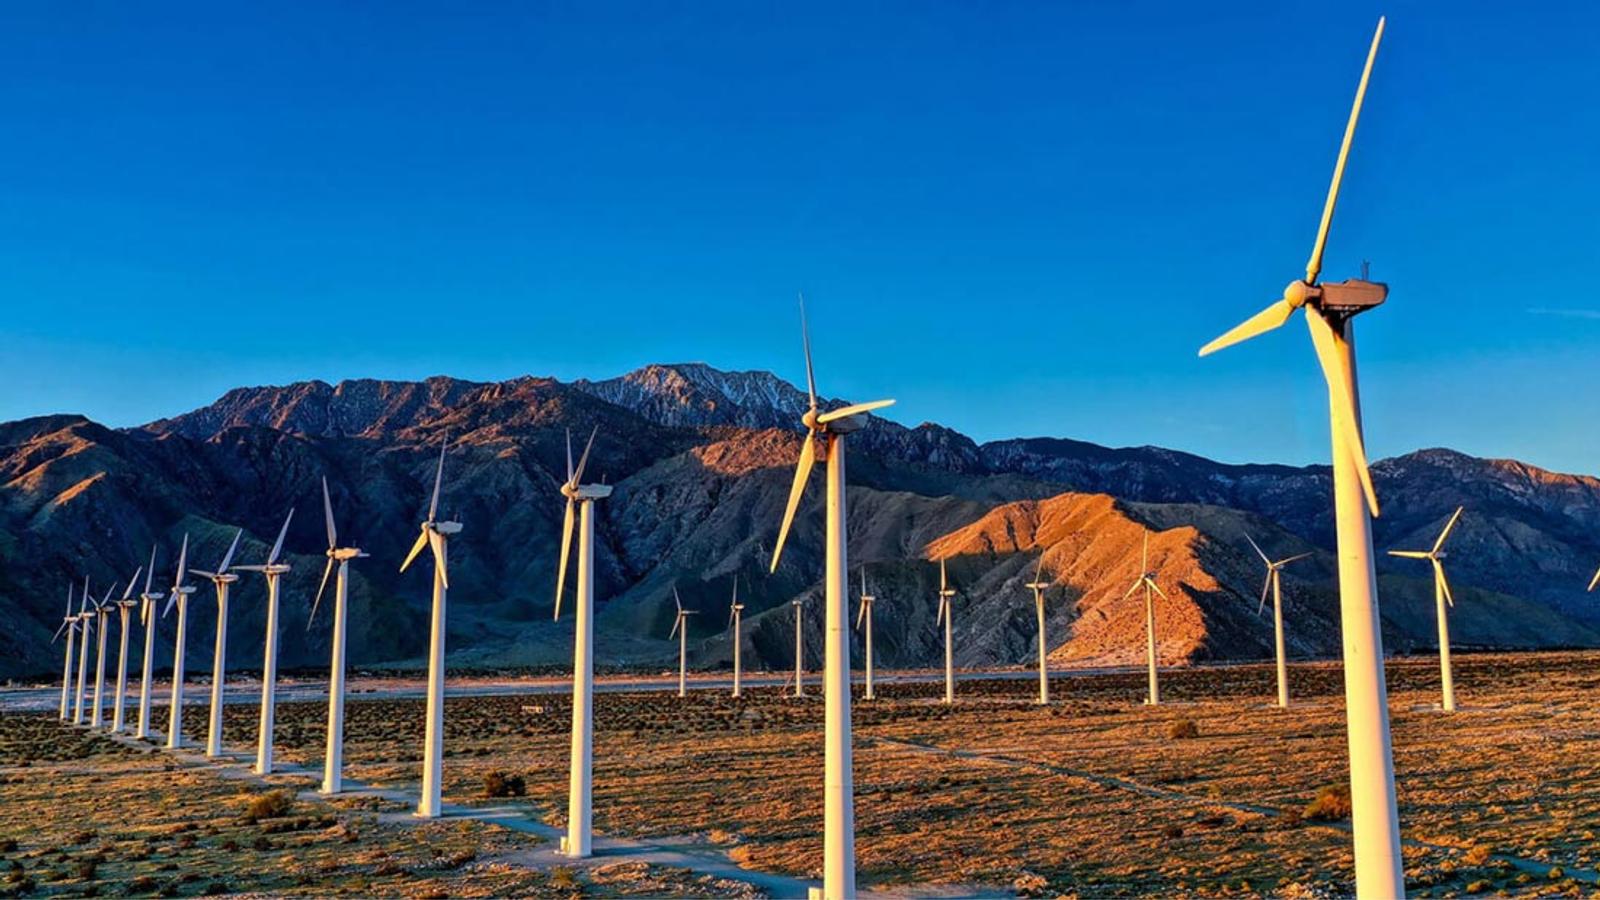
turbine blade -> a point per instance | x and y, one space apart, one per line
569 457
944 583
1262 322
58 632
566 550
938 618
277 545
861 612
1447 527
1339 395
1595 580
583 461
422 541
326 571
1314 265
1411 554
1438 570
132 582
183 563
203 573
1257 548
171 599
228 557
854 409
1038 571
436 544
107 598
1157 588
802 473
150 570
676 622
1265 587
1295 558
805 340
1137 583
327 515
438 480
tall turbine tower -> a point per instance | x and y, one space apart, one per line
221 578
735 620
1038 585
946 613
1147 579
1330 310
333 764
864 614
120 699
828 429
102 612
1441 596
179 595
580 778
69 624
147 618
272 570
85 625
680 627
1275 584
799 649
436 537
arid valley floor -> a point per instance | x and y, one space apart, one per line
1095 795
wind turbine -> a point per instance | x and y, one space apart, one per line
102 612
864 613
680 627
1441 596
436 537
1147 580
272 570
85 625
219 658
946 613
829 430
1275 584
1330 309
1038 585
69 624
799 650
147 618
124 606
179 595
735 620
333 766
580 777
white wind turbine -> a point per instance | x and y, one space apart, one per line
69 624
1274 583
102 612
735 620
436 537
946 613
180 596
1038 585
85 625
333 764
1441 596
680 627
1147 580
272 570
222 578
1330 309
799 649
864 614
580 777
147 618
124 607
828 429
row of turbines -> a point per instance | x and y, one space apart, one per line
1329 310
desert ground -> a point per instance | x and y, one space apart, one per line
1214 793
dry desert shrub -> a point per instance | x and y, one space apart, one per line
269 805
1331 804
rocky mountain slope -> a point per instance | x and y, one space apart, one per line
701 463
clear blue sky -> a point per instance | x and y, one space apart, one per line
1020 219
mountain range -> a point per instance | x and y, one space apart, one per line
701 461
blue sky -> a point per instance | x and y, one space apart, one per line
1019 219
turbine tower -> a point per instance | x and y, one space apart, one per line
179 595
436 537
147 618
1330 310
1275 584
219 657
680 628
333 765
1038 585
1147 580
102 612
1441 596
85 625
799 650
828 429
124 607
864 614
946 597
580 777
69 624
272 570
735 620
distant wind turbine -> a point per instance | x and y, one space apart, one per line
333 763
273 571
102 612
1441 596
120 699
946 613
680 627
1147 580
436 537
864 614
1038 585
69 624
735 619
799 649
180 596
828 429
221 578
147 618
86 618
1274 583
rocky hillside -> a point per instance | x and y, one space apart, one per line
701 463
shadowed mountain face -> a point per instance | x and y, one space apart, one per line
701 460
